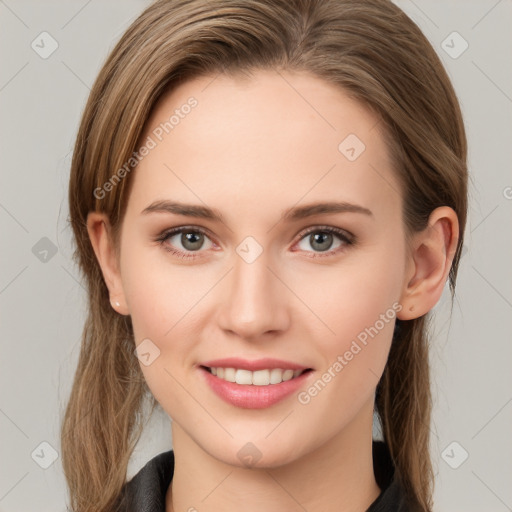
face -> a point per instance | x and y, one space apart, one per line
263 275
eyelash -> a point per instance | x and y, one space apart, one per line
347 239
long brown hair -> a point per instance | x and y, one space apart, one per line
378 56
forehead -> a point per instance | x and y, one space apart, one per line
283 136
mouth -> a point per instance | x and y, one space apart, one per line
255 383
263 377
255 389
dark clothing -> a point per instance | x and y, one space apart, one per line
145 492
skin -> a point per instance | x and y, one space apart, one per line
252 148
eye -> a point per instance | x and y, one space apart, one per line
184 240
322 238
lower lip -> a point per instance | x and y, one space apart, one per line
251 396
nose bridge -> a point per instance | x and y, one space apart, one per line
255 302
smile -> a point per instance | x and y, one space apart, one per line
254 389
255 378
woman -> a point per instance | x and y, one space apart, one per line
268 198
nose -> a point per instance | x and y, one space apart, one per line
254 300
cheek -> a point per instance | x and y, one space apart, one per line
357 302
353 293
166 304
359 307
160 301
160 294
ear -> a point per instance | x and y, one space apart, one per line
430 261
99 229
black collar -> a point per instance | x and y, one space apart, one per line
146 491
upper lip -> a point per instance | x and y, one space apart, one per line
257 364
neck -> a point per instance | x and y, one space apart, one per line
336 476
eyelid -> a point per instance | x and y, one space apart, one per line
168 233
343 233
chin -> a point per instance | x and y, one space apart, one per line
255 455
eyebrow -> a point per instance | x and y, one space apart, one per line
291 214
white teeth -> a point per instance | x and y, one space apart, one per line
260 378
229 374
288 374
243 376
276 376
256 378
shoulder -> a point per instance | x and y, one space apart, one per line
393 497
146 491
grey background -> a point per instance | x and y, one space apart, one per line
42 302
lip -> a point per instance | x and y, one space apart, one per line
266 363
251 396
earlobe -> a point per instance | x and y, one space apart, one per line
431 258
99 230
